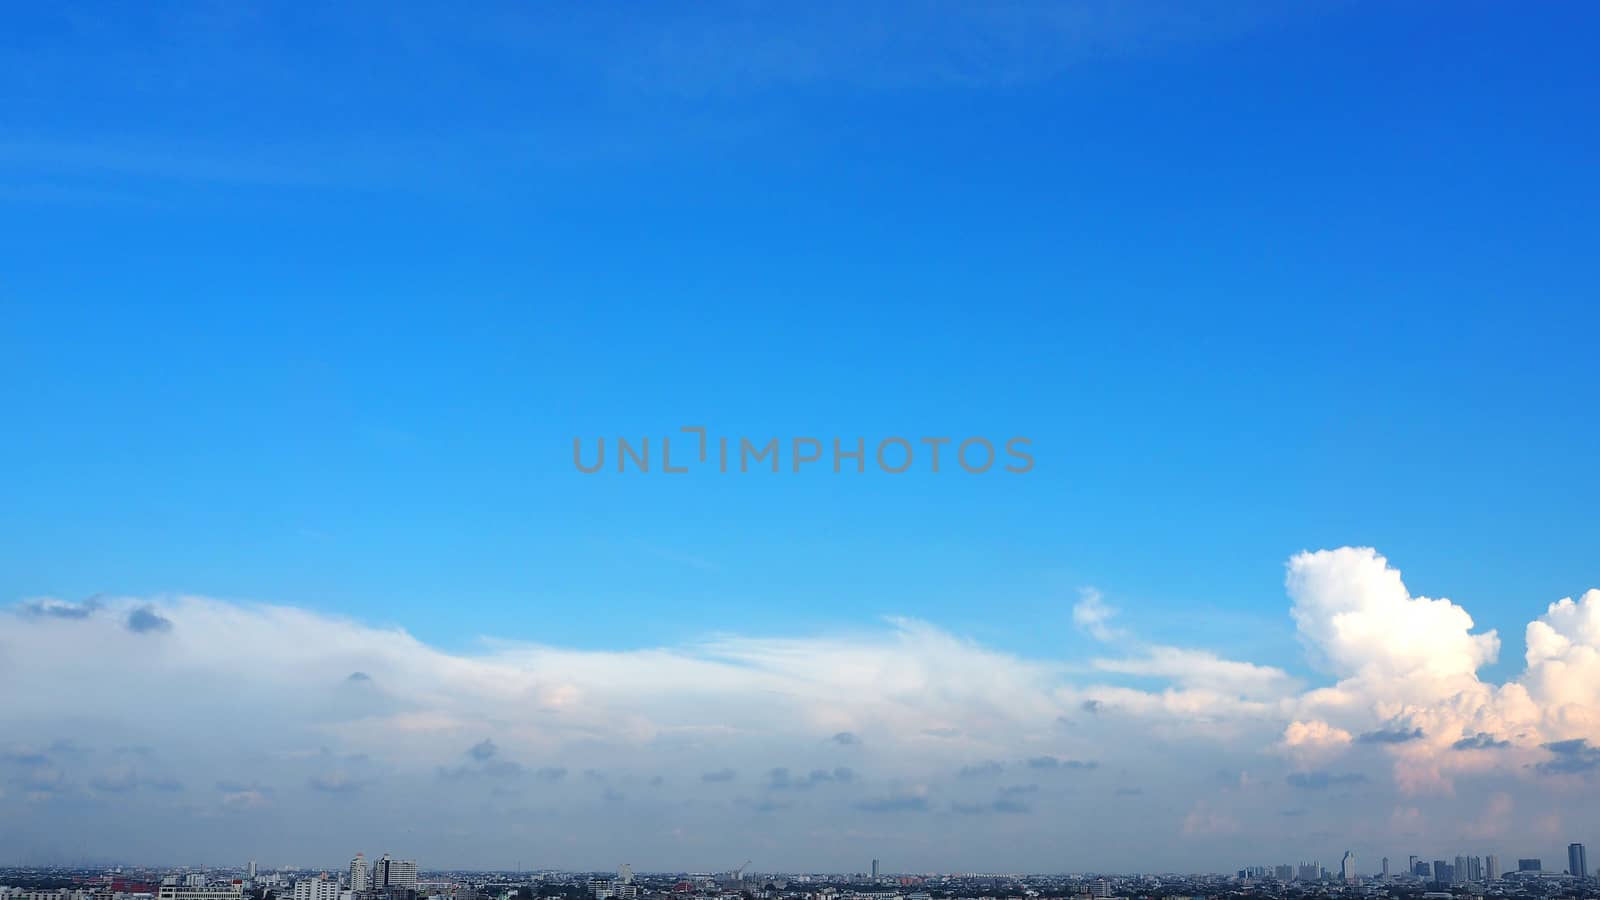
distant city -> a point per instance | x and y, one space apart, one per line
389 878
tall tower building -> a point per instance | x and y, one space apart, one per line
316 889
1491 867
393 873
250 870
1347 867
875 868
1385 870
1577 861
358 873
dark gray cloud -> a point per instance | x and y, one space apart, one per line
60 609
1570 758
1483 740
719 776
1053 762
1391 736
846 738
893 803
780 779
145 620
1091 706
1316 781
358 677
976 770
1010 802
484 760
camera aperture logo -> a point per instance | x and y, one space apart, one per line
699 449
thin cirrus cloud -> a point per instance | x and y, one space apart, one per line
909 721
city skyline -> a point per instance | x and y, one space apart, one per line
358 875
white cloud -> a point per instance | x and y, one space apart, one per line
255 717
1093 615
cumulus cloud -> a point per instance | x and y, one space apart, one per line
1354 612
1314 734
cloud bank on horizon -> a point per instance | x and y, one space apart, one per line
260 730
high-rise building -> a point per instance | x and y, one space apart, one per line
1347 867
358 873
394 873
316 889
1491 867
874 870
250 870
1577 861
1384 871
1421 868
1530 865
232 891
1443 873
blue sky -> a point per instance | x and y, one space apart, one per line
305 307
310 311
